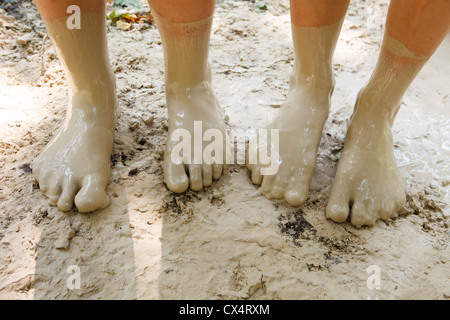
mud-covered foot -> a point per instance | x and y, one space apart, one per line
368 185
194 115
299 123
74 167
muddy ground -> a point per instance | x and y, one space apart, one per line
227 241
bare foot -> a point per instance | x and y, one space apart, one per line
367 180
75 165
187 107
300 123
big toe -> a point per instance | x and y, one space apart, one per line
338 206
176 178
279 187
256 175
92 195
297 195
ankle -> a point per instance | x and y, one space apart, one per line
186 81
374 105
320 82
310 95
96 104
100 77
189 100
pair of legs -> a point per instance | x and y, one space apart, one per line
75 165
74 168
368 185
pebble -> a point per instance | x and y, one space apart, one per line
217 194
24 40
64 240
149 121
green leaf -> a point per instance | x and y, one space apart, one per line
114 16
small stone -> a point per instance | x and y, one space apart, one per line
62 244
24 40
149 121
64 240
217 194
134 125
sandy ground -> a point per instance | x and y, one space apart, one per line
228 241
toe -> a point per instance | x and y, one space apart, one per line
277 192
358 214
372 213
175 177
217 171
298 190
267 183
338 205
195 177
92 195
256 175
399 202
45 178
279 187
296 196
207 175
337 212
54 192
66 200
387 211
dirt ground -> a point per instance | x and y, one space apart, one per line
227 241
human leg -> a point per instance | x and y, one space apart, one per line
185 28
75 166
367 179
316 25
